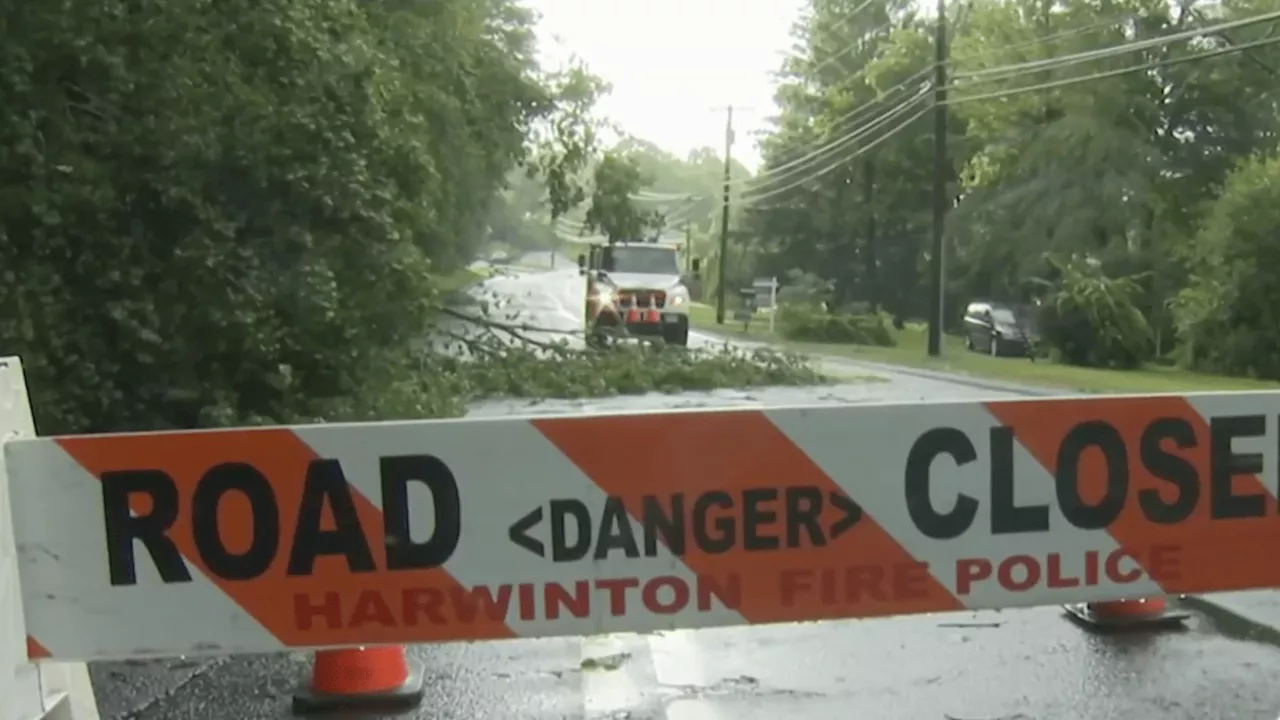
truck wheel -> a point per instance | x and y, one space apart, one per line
677 334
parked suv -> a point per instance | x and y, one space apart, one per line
999 329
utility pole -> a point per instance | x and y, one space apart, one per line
688 246
724 215
941 173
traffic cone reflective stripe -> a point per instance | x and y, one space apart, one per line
1140 608
360 679
1136 612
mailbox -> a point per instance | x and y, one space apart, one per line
747 307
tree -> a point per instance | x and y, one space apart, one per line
1062 147
613 212
183 204
246 212
565 140
1227 316
837 192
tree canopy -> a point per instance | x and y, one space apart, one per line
1088 143
241 211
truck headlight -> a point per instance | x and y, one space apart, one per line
605 296
678 298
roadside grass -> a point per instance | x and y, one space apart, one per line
462 278
911 351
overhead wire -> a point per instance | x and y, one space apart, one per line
1121 49
849 115
760 184
850 138
794 165
1033 68
842 161
852 46
1219 52
787 169
799 164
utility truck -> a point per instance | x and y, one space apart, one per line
636 289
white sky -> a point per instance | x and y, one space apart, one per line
675 64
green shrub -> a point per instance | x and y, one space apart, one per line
804 288
1226 318
1091 320
813 324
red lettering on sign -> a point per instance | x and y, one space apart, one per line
854 584
427 606
1022 573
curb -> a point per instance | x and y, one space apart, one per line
1231 624
955 378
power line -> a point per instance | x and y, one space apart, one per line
842 161
920 75
849 116
759 186
1133 46
851 47
1241 48
897 111
807 161
1229 50
800 164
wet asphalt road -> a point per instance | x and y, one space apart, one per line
1017 665
1024 665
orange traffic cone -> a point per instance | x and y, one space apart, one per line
1119 614
380 678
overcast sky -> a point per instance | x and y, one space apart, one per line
675 64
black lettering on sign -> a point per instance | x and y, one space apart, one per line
664 526
1225 464
714 522
1007 517
327 486
1171 468
615 531
265 514
714 528
564 549
152 528
1096 436
402 552
1160 448
929 520
324 485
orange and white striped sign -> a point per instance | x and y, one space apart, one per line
262 539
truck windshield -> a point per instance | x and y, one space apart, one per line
656 260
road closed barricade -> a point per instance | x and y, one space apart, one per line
337 536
